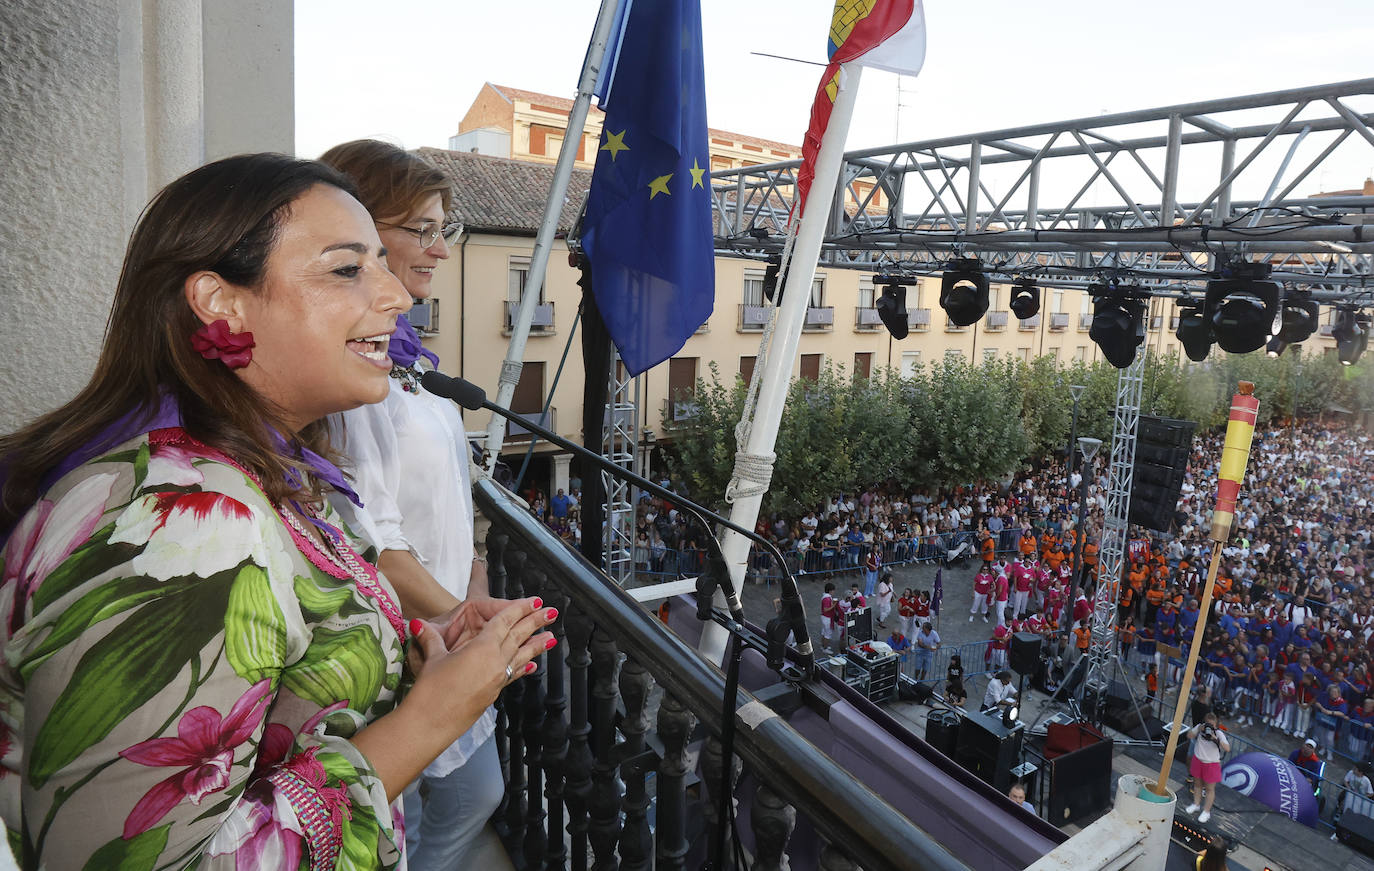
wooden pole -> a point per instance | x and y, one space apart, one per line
1160 786
1235 455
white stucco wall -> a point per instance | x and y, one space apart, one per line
101 103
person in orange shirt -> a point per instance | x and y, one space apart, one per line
1154 597
1126 607
1082 637
989 548
1028 543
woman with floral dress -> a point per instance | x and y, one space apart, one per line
200 666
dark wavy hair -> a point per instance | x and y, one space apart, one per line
224 217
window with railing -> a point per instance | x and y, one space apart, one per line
1059 320
1029 324
996 321
518 274
682 388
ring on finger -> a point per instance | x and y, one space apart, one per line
510 673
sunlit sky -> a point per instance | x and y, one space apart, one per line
407 71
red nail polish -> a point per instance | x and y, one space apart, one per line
550 644
416 626
551 614
530 667
538 603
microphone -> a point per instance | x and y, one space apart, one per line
472 397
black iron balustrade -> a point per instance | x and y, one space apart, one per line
575 738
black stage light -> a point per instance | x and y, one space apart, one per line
772 280
1299 319
1351 333
1009 715
1243 307
1118 327
1025 299
964 291
1194 332
1276 346
892 304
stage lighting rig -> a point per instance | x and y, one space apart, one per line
964 291
1025 299
892 304
772 280
1351 333
1243 307
1194 332
1118 323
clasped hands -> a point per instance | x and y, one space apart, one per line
481 645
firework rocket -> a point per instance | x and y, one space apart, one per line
1240 429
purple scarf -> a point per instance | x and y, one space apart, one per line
167 415
405 347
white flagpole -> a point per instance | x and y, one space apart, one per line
553 207
782 352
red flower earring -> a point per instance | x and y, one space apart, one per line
215 342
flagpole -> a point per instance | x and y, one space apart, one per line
782 352
548 228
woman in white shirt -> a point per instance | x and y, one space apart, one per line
410 461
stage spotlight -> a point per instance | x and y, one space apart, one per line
1025 299
1351 333
1243 307
773 279
1118 328
892 304
1194 332
1009 715
964 291
1299 319
1276 346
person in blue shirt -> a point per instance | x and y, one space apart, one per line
1332 714
854 538
1166 624
1230 622
1300 639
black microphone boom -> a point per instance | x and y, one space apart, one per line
472 397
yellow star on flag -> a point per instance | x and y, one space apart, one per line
660 186
615 143
697 172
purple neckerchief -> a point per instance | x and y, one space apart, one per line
405 348
167 415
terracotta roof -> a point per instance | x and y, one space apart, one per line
497 194
563 104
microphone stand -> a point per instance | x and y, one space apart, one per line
716 576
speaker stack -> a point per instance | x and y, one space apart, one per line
1162 447
1024 653
989 749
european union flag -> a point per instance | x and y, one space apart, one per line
647 231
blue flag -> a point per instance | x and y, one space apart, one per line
647 230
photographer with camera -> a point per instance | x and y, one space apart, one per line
1208 744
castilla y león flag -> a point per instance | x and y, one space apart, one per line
884 34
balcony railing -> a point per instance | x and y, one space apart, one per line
590 761
1326 329
543 316
1173 322
752 318
867 319
1030 323
997 321
1156 321
918 318
548 419
1059 320
820 318
1085 321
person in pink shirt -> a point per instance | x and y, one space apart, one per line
1024 579
1001 591
982 588
1001 638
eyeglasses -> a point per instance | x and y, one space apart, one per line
429 232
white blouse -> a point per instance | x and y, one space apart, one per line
410 460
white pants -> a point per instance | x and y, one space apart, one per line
980 603
1021 597
1001 609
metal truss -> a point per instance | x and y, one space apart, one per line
1154 195
619 436
1112 550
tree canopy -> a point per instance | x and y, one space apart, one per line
953 422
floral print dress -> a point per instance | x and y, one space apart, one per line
182 673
